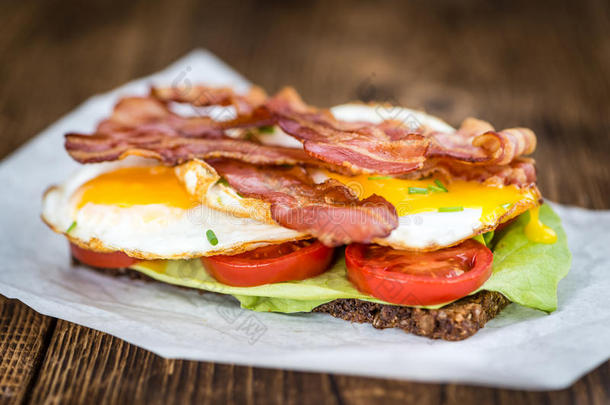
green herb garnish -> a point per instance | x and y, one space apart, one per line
436 189
380 177
450 209
267 129
222 181
211 237
418 190
71 227
440 185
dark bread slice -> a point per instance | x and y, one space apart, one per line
456 321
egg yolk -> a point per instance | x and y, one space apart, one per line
536 231
415 196
130 186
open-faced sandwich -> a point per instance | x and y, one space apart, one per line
402 223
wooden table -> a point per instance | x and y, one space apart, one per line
516 63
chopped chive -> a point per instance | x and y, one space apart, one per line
211 237
418 190
450 209
222 181
267 129
436 189
506 206
440 185
71 227
239 194
380 177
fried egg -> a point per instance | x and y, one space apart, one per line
433 215
150 211
430 217
146 211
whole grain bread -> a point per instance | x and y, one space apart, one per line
456 321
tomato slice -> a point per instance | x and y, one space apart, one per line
270 264
113 260
411 278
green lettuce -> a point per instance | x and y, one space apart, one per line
291 296
525 272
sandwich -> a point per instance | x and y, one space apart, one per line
368 212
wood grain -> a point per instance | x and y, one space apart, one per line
536 64
24 336
84 365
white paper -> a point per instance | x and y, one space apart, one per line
520 348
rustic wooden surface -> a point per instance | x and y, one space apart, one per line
546 66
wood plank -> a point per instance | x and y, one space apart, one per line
24 336
84 365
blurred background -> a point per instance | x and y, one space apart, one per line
545 65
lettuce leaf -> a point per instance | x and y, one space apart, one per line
292 296
525 272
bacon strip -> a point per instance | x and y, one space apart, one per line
362 148
520 172
477 142
145 126
172 150
329 211
145 114
202 96
387 148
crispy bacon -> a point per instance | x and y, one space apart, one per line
144 115
202 96
172 150
520 172
329 211
387 148
145 126
477 142
357 146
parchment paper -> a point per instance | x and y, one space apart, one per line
520 348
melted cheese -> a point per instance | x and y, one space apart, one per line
494 201
536 231
131 186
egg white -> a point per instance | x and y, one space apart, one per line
153 231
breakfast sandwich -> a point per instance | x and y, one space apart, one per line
403 223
